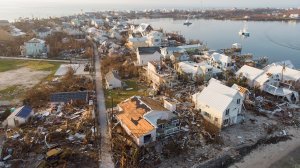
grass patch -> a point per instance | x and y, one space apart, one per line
11 92
17 92
6 65
119 95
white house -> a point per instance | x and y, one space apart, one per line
136 40
294 16
146 54
35 47
221 61
252 74
179 57
160 75
154 38
168 51
43 32
113 80
19 116
143 28
219 104
274 79
194 70
144 119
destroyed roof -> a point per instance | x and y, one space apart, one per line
288 73
148 50
143 26
241 89
21 112
43 29
112 75
68 96
133 113
220 57
190 67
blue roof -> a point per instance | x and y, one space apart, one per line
68 96
24 112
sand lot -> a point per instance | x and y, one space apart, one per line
267 156
25 77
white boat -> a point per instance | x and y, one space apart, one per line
187 22
244 32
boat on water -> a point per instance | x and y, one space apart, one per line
187 22
244 32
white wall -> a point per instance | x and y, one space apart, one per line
144 59
34 49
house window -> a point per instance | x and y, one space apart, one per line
226 121
238 101
207 114
227 112
147 138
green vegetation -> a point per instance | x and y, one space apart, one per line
6 65
15 91
11 92
119 95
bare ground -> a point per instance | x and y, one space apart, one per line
265 156
25 77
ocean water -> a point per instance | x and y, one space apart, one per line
277 40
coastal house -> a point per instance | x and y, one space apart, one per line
20 116
274 79
219 104
144 119
160 75
147 54
43 32
168 51
34 47
221 61
143 28
154 38
195 70
179 57
113 80
136 40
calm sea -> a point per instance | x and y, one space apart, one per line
277 40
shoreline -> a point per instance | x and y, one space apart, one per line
270 155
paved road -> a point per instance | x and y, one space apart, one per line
34 59
106 156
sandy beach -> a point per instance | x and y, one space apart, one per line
282 154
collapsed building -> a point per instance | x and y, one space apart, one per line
277 80
145 120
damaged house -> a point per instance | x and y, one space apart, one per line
113 80
221 61
274 79
160 75
219 104
147 54
195 70
145 120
